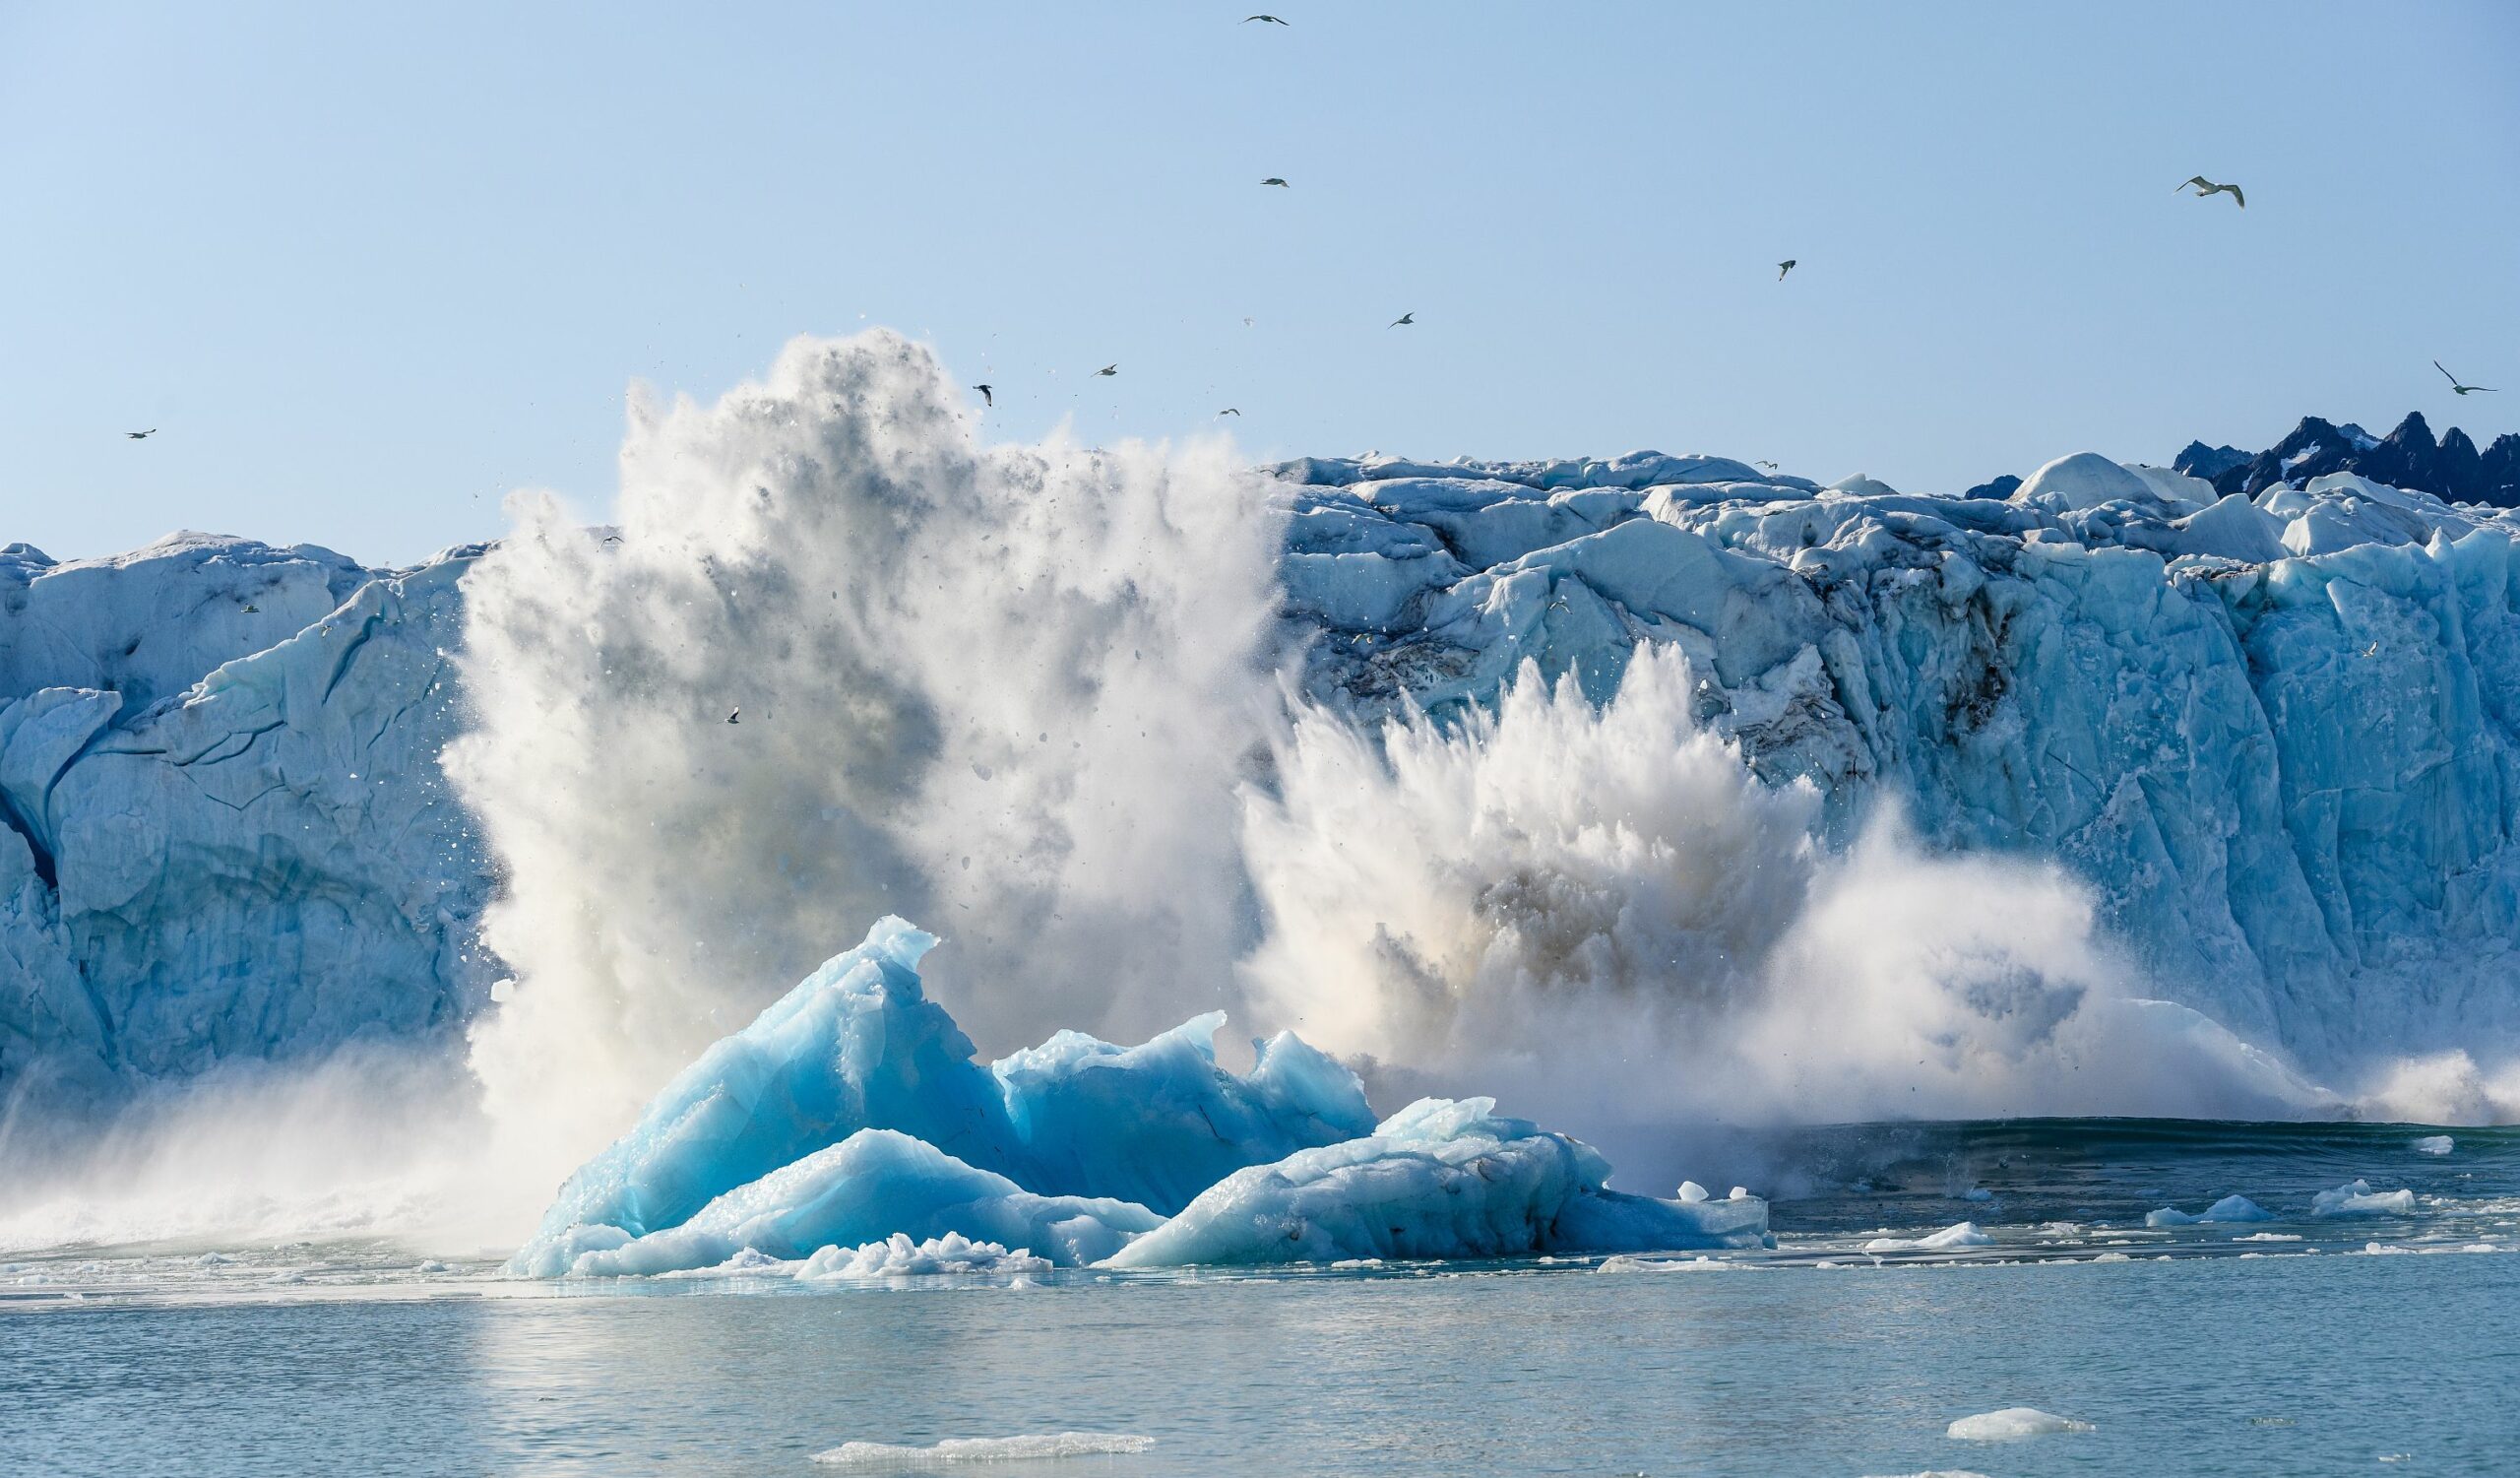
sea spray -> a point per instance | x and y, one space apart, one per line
836 659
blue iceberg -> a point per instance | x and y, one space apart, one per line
852 1111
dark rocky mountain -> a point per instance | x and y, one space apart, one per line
2450 467
2198 460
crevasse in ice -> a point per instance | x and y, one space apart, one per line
850 1113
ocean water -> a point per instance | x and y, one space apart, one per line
2304 1345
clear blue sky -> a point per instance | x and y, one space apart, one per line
369 267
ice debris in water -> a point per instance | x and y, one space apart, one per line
897 1256
2012 1423
959 1452
1958 1234
851 1114
2357 1199
2229 1209
2433 1144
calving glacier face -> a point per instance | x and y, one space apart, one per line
2275 736
2108 797
225 835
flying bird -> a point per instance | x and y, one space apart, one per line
1272 20
1280 183
1108 369
2205 187
1770 465
2463 389
1783 267
612 538
737 717
1403 319
988 394
141 435
1246 323
1229 411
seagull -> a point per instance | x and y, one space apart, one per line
1403 319
1783 267
2205 187
737 717
1246 323
988 394
1108 369
612 538
2463 389
1229 411
1280 183
141 435
1272 20
1770 465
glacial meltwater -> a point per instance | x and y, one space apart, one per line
1923 1275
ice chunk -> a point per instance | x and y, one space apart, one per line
2229 1209
897 1256
2433 1144
959 1451
854 1045
1160 1123
2357 1199
858 1045
2012 1423
1691 1190
869 1187
1958 1234
1439 1179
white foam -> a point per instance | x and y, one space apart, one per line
959 1451
2012 1423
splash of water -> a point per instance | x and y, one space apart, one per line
838 659
1599 910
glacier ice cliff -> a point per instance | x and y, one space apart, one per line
2270 735
2274 735
223 833
850 1113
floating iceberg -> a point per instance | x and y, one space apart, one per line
858 1045
2433 1144
1440 1179
2012 1423
1958 1234
962 1452
2357 1199
848 1130
2229 1209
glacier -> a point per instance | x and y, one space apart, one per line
223 837
2274 735
848 1125
2269 736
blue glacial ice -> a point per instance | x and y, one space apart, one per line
1440 1179
850 1120
858 1045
